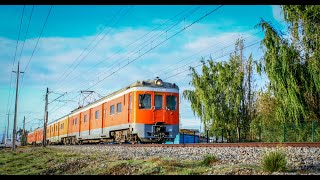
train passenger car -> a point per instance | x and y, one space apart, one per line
35 137
145 112
30 138
57 130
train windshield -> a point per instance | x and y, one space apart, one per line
144 101
171 103
158 101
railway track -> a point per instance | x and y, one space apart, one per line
249 144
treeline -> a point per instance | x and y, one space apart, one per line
288 108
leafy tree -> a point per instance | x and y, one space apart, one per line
23 136
221 97
292 63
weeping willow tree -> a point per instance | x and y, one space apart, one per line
219 97
292 63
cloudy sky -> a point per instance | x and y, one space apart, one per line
104 48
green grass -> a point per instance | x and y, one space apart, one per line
274 161
208 160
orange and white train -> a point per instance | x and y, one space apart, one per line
145 112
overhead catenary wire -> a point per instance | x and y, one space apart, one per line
189 56
35 47
227 54
145 53
69 72
150 39
14 59
155 46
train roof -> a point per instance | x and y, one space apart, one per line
157 82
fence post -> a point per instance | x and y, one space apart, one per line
260 132
183 138
207 136
284 132
312 130
222 136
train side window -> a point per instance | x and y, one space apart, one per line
97 114
76 121
144 101
118 107
85 118
171 102
111 109
158 101
130 106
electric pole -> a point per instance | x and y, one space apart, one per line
45 120
16 109
8 126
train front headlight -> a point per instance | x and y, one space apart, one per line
159 82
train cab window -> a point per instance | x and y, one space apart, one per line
97 114
111 109
158 101
85 118
144 101
171 103
118 107
75 122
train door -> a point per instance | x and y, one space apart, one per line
158 108
130 114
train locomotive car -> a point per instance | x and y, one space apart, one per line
143 112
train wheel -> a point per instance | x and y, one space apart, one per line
73 141
67 141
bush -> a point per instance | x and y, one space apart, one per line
274 161
208 160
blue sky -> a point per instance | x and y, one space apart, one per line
65 61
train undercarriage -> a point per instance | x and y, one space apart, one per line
124 136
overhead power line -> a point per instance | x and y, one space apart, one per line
14 59
98 42
146 52
135 41
35 47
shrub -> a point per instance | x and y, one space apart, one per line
208 160
274 161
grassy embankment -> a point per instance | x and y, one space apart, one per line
38 161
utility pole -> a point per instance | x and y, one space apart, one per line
8 126
45 120
16 109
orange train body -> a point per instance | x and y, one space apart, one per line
146 111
